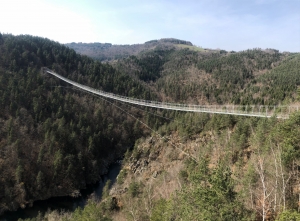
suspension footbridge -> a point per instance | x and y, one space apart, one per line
248 110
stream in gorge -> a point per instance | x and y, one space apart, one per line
64 203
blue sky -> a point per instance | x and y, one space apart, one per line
225 24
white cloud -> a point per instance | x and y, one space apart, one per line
39 18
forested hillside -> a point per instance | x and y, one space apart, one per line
204 76
202 167
248 77
53 139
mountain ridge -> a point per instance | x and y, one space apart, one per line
108 51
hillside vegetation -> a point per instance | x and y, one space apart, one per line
55 140
205 168
256 76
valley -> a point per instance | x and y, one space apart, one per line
56 140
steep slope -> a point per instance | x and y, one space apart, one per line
202 167
247 77
55 140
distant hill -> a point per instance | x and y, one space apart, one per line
108 51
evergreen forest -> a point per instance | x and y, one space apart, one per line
56 140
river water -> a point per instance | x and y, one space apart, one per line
65 203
